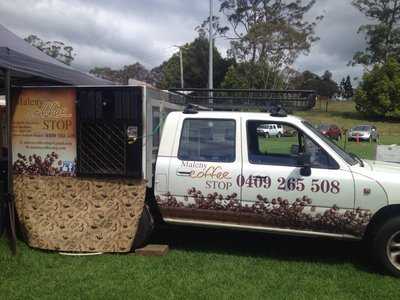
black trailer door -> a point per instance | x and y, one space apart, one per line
106 115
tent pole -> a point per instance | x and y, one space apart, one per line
10 186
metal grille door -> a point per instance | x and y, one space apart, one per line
102 149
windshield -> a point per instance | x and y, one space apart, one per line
361 128
343 154
323 127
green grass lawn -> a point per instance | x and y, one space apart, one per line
206 264
212 264
344 115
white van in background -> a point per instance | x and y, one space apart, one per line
268 130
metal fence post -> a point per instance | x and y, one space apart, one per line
10 185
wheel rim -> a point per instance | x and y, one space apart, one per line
393 250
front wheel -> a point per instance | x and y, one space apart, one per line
386 247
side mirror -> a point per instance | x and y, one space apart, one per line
294 149
304 162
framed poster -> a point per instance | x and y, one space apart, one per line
44 132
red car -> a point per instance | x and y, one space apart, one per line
331 131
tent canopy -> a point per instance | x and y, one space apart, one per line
23 64
29 65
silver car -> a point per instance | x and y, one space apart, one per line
363 133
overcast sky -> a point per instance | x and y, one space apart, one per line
119 32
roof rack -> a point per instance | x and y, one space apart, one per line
247 99
277 111
274 110
194 109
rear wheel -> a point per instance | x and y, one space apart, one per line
279 135
386 247
266 135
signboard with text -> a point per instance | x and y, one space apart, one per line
44 132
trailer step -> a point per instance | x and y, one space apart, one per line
153 250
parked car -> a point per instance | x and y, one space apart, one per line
331 131
269 130
364 133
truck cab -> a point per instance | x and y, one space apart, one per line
215 169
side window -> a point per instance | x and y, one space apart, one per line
210 140
284 149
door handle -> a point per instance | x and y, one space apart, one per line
183 173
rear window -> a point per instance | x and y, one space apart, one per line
210 140
323 127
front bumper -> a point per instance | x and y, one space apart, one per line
360 137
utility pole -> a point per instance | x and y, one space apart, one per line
210 53
181 59
181 65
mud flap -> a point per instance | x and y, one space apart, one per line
145 229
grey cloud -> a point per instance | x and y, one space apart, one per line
338 39
118 32
83 23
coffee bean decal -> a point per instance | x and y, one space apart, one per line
34 164
277 212
213 201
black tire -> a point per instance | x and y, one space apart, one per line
145 229
381 246
267 135
279 135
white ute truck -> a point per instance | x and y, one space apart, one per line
214 170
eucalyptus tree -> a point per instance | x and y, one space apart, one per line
382 34
266 33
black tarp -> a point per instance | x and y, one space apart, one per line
29 65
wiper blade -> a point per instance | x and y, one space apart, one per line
355 156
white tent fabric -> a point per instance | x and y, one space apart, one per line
21 57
